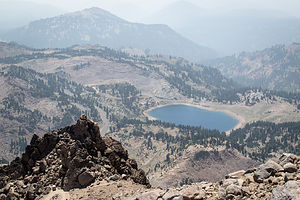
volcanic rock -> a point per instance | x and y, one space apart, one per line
71 157
290 191
277 184
85 178
266 170
290 167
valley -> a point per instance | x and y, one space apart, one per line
117 89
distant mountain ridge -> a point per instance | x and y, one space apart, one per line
12 49
97 26
230 31
276 68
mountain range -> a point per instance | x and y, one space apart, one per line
229 31
97 26
275 68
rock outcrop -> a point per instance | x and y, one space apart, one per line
72 157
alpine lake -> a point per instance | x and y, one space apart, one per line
193 116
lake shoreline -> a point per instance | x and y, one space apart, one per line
241 121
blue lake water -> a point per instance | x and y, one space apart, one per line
192 116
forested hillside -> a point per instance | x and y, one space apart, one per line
33 102
275 68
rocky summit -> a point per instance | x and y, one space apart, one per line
72 157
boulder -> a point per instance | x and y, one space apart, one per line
234 190
139 176
199 195
271 166
264 171
171 194
289 191
260 175
192 192
114 177
85 178
290 167
228 182
236 175
30 194
287 158
149 195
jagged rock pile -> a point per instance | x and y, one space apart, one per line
277 179
72 157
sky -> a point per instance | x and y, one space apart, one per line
16 13
136 10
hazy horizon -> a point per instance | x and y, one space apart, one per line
227 26
138 11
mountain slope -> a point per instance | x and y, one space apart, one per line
97 26
199 164
12 49
275 68
157 76
116 85
32 102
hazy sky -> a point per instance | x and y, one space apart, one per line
135 10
